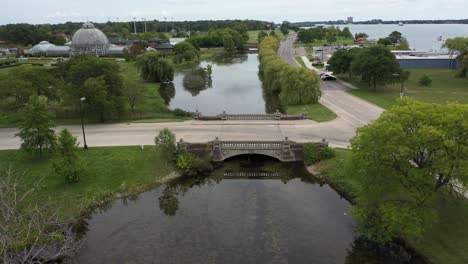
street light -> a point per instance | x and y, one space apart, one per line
82 99
401 82
134 25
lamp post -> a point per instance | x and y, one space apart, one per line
82 123
134 25
401 83
144 20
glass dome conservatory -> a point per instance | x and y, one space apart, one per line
89 40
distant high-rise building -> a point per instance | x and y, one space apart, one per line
350 20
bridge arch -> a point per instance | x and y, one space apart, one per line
246 153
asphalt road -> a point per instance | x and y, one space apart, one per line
352 113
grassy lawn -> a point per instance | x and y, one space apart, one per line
445 88
300 61
444 243
316 112
106 171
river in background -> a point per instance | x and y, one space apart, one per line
235 87
423 37
247 211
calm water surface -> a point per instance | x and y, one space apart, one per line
286 216
420 37
235 88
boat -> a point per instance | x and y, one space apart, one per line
401 24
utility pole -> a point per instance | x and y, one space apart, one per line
144 20
165 18
82 100
134 24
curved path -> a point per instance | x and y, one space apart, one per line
352 113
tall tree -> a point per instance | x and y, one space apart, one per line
67 164
153 68
376 65
346 33
167 141
341 60
134 92
459 47
36 128
412 151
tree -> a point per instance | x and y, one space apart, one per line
385 41
27 228
185 51
284 28
376 65
261 35
153 68
228 43
36 127
401 160
99 81
67 164
395 37
346 33
331 38
299 86
167 141
403 45
459 46
425 80
341 60
134 92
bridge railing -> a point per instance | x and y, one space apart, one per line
224 116
251 145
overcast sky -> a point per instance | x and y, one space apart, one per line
54 11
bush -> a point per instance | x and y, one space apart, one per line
182 113
314 153
425 80
191 165
167 140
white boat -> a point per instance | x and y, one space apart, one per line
401 24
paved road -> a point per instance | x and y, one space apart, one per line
354 110
352 113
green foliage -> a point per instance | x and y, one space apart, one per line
330 34
459 46
67 164
425 80
227 38
385 41
403 45
401 160
375 65
133 52
284 28
341 60
293 85
22 82
153 68
314 153
36 127
261 35
185 51
395 37
360 35
97 80
167 142
191 165
197 80
346 33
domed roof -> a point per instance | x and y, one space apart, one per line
40 48
89 36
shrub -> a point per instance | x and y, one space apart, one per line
167 140
191 165
425 80
314 153
67 164
182 113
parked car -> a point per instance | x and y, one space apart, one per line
327 77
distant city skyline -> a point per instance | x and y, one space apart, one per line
55 11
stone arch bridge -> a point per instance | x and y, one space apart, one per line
219 150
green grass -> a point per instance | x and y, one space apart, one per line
316 112
105 170
445 88
300 61
445 242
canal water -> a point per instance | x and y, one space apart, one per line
257 211
235 88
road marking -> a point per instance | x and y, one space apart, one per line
341 109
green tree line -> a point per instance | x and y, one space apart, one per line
292 85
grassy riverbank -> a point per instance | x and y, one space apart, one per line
316 112
444 243
445 88
106 171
